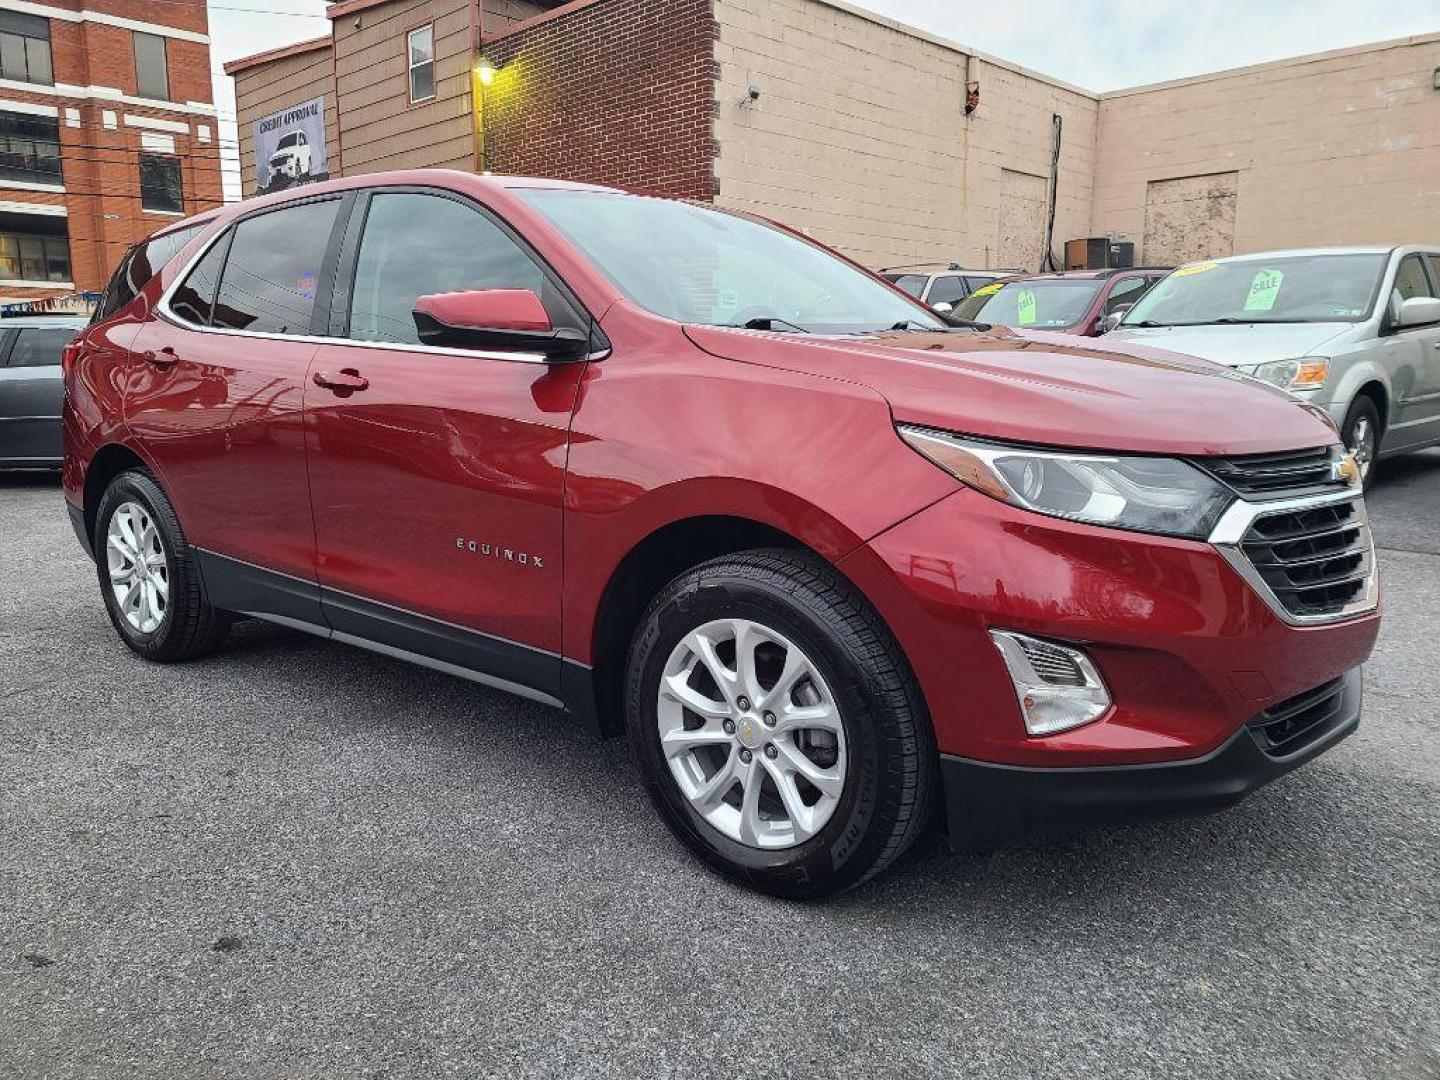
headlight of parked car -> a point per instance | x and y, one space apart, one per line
1147 494
1302 373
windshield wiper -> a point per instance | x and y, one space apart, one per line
1149 324
767 322
951 323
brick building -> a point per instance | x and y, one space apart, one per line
107 130
891 143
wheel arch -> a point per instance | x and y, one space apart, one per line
108 462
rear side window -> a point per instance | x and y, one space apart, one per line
415 245
141 263
40 347
914 284
194 300
271 272
1126 291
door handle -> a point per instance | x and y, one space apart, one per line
345 381
163 359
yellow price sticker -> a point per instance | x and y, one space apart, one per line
988 290
1025 308
1194 268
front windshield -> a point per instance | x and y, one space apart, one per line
1289 289
695 265
1045 304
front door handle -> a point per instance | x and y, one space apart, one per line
345 381
163 359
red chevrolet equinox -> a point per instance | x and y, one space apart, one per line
831 561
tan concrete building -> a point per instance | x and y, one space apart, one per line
892 144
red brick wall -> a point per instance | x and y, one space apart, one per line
616 92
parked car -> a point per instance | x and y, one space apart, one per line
30 389
1353 331
1069 301
943 289
828 560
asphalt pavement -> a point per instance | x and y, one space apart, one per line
295 859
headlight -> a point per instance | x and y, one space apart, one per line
1157 495
1302 373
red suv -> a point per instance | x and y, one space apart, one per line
830 560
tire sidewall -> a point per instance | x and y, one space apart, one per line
1364 406
138 488
846 847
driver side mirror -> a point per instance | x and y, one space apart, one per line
507 320
1419 310
943 307
1111 321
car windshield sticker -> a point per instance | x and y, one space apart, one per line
305 286
1263 290
1193 268
1025 308
988 290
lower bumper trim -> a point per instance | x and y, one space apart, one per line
989 806
77 522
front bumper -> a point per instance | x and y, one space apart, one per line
989 806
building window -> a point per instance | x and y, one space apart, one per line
27 257
422 63
160 184
25 48
29 148
152 76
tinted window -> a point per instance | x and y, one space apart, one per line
1126 291
272 270
415 245
29 148
1050 304
160 186
40 348
195 298
140 264
946 290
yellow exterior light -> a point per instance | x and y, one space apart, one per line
485 71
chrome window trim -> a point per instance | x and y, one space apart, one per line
163 309
1230 530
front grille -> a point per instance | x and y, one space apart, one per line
1293 724
1318 561
1278 476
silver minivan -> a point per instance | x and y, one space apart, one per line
1354 330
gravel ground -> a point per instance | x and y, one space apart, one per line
295 859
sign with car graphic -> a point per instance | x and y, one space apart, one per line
290 147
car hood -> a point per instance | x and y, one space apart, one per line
1239 345
1044 388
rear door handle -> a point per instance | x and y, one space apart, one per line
165 358
345 381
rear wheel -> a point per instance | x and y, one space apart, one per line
777 726
151 586
1361 435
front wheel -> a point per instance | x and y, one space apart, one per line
1361 435
777 727
148 577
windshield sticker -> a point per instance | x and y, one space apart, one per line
1025 308
1263 290
1194 268
988 290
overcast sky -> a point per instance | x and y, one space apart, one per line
1097 44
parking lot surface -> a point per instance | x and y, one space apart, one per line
296 859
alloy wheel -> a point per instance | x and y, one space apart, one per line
139 572
752 734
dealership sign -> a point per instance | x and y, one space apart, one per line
290 147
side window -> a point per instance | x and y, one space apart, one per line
270 277
415 245
1434 269
1410 281
914 284
946 290
141 263
973 283
1126 291
194 300
40 347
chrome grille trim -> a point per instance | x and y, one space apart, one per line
1235 531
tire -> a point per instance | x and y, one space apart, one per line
1363 417
188 626
794 605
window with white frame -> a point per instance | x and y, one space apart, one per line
421 48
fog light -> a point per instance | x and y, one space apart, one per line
1058 687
